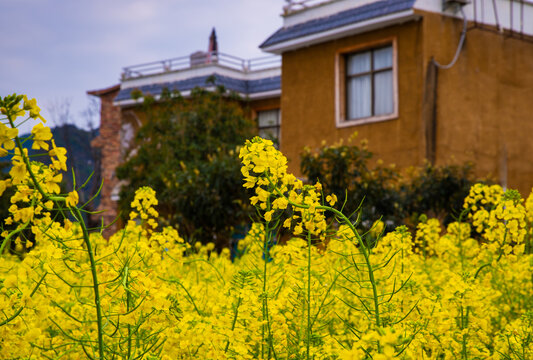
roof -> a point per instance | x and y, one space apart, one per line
244 87
102 92
340 19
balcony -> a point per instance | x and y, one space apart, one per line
198 60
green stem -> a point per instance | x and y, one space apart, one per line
28 168
239 301
464 354
191 299
364 251
6 321
308 294
497 260
265 304
266 328
86 239
128 301
362 247
7 240
77 214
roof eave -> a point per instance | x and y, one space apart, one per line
352 29
102 92
254 96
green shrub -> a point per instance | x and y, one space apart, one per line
373 190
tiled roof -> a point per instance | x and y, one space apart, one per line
245 87
343 18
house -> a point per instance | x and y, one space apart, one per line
256 81
438 80
443 80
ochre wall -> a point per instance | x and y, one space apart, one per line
264 104
484 102
308 99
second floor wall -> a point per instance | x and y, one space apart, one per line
316 95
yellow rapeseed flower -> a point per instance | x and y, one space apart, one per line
41 134
31 105
6 139
58 156
72 198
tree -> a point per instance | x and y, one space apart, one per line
187 151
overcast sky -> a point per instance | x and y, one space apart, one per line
56 50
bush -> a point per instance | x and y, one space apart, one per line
378 191
438 191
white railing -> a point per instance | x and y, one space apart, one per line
201 59
514 16
297 5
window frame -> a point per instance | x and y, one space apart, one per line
341 77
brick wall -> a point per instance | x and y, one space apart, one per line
109 143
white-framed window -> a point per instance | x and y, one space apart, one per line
268 123
367 84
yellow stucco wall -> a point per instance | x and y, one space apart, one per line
484 110
308 99
264 104
485 101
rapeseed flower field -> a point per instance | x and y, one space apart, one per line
325 291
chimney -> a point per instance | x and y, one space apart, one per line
212 49
211 56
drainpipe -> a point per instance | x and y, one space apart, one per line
429 107
429 111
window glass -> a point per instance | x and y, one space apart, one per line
383 58
268 133
358 63
268 118
369 83
358 96
268 122
383 94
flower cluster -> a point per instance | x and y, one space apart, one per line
265 169
502 218
143 204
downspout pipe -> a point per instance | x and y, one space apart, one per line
431 97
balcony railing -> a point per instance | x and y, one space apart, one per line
297 5
201 59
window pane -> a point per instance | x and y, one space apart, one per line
383 58
358 97
268 118
383 93
269 133
358 63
